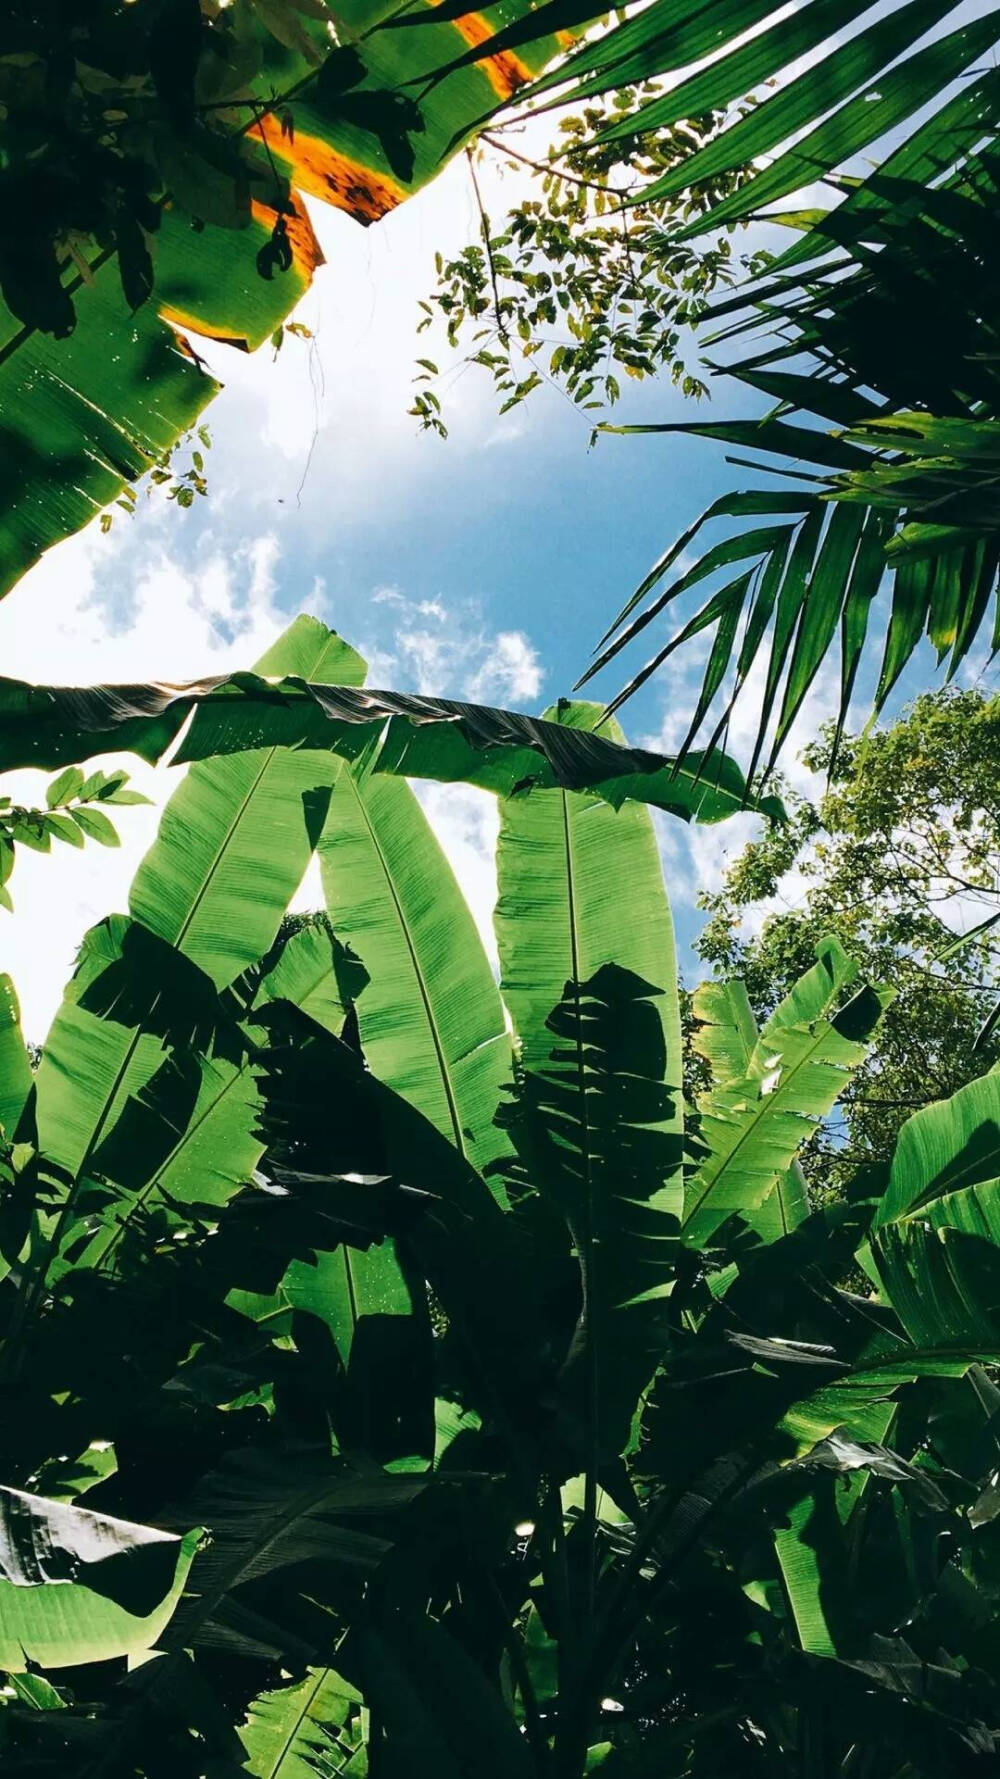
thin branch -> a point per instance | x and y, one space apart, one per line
484 225
627 243
612 191
259 116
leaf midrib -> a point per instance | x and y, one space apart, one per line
404 927
275 1768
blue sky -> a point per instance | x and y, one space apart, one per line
483 566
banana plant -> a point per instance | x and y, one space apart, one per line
535 1422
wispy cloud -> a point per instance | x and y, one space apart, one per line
449 649
511 670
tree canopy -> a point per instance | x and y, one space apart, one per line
901 852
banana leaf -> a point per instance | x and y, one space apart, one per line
752 1123
596 1116
78 1587
401 733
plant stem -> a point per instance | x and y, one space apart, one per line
533 1725
484 225
610 191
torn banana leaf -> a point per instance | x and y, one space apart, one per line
416 737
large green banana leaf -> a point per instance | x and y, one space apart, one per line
375 1315
15 1063
234 842
306 99
432 1028
752 1124
778 1398
272 1515
372 1308
238 833
598 1115
284 1520
400 733
188 1137
557 918
81 1587
941 1285
430 1018
327 1115
946 1169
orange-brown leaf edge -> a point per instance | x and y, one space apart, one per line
306 251
324 172
504 71
306 256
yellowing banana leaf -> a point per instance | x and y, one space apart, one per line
303 100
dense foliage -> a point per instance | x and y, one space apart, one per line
405 1371
902 849
387 1371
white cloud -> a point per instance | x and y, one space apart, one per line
512 670
179 621
506 432
450 650
115 618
